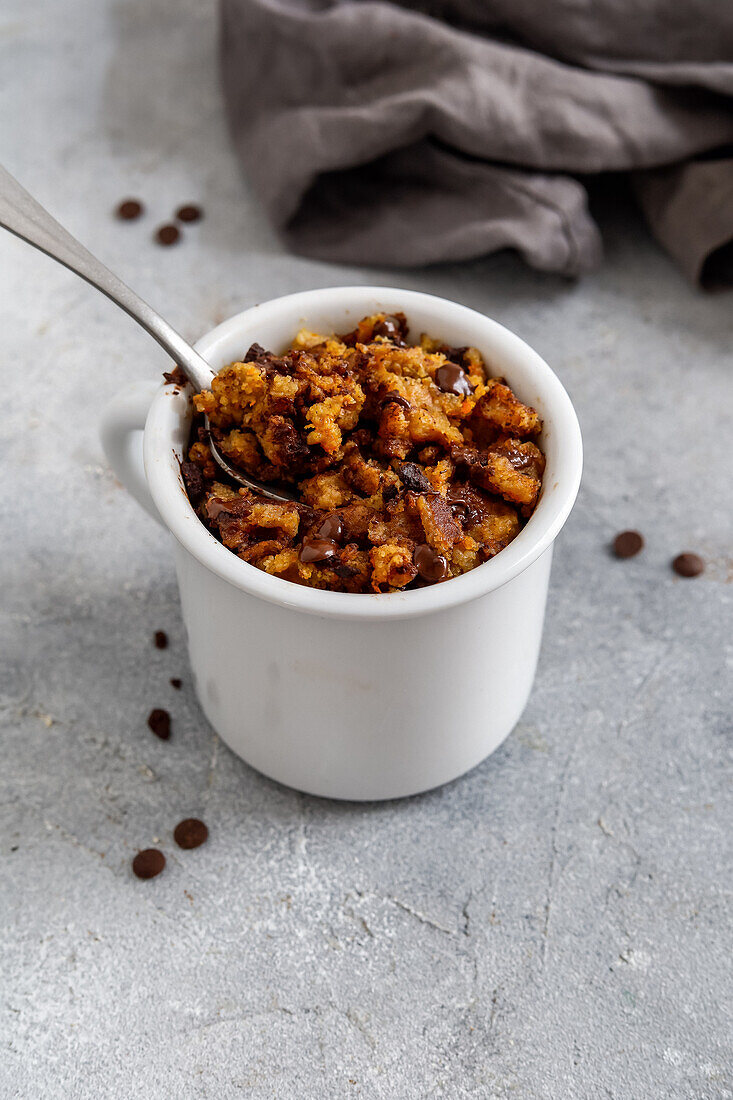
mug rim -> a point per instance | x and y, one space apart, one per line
166 434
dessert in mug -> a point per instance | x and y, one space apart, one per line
411 464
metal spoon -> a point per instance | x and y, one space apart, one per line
22 215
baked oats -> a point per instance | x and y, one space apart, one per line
411 464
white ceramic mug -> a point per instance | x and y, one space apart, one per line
342 695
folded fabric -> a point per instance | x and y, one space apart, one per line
411 133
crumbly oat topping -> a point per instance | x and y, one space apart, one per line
412 464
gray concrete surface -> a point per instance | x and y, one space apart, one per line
557 924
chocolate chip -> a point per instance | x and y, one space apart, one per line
331 528
190 833
627 543
394 328
413 478
148 863
431 566
129 210
451 378
467 506
256 353
161 639
193 479
167 234
159 721
314 550
176 683
389 492
189 213
688 565
519 460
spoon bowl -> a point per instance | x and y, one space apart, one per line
273 492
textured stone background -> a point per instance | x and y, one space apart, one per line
557 923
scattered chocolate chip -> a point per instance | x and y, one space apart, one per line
451 378
176 683
413 478
189 213
331 528
314 550
190 833
161 639
167 234
194 481
389 492
159 721
688 565
431 567
148 863
129 210
627 543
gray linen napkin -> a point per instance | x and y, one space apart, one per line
447 129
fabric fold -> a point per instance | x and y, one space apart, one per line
407 134
689 208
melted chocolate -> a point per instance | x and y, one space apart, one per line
215 507
451 378
393 328
317 550
431 567
331 529
194 481
392 398
465 505
461 511
520 460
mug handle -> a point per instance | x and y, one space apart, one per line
121 434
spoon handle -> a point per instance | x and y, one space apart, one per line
22 215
